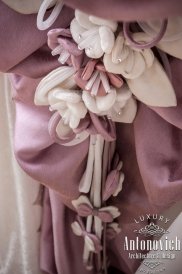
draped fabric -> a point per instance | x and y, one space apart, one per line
150 149
130 10
20 218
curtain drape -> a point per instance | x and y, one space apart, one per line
20 215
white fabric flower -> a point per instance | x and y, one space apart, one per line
58 90
93 34
144 74
127 61
118 105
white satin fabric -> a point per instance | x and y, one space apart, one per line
19 219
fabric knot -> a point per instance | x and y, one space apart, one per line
91 240
93 34
84 209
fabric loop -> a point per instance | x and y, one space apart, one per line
53 123
43 25
103 126
128 36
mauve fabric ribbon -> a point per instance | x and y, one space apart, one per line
152 43
102 126
63 37
53 122
93 237
110 233
128 10
91 123
111 183
60 41
85 210
83 76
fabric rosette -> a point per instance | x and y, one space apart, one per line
93 34
59 91
104 93
118 105
144 74
95 79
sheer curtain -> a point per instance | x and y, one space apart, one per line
20 216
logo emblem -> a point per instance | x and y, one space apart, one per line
151 264
151 230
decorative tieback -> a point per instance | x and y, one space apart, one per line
84 208
91 240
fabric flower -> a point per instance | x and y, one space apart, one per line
62 44
95 79
93 34
58 90
127 61
144 74
118 105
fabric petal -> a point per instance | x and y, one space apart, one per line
153 87
107 39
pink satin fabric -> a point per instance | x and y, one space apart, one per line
130 10
150 148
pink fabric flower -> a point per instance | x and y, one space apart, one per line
61 43
96 79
